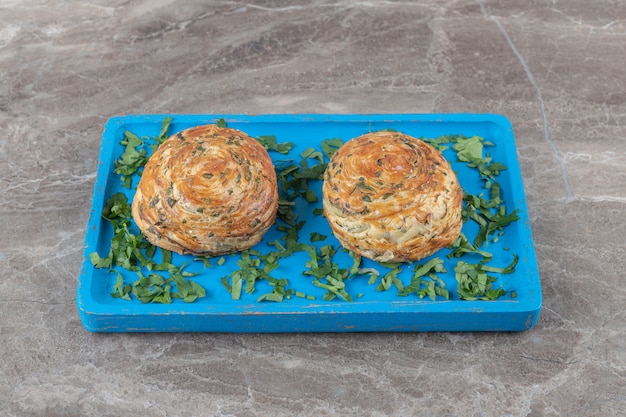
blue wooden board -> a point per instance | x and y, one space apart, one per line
371 309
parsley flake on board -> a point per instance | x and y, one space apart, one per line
155 288
131 251
135 154
132 159
473 283
269 143
330 146
488 213
488 220
327 273
425 281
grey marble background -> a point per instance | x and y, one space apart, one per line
556 69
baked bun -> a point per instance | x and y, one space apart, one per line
391 197
207 191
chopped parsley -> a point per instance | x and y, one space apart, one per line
474 283
160 281
330 146
269 143
132 252
135 154
426 282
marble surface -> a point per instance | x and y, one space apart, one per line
554 68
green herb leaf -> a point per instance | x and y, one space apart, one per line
312 153
272 296
425 281
270 143
165 125
121 290
310 196
473 283
317 237
330 146
469 149
99 262
117 207
132 159
462 246
315 172
391 278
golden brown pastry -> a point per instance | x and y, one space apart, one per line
391 197
207 191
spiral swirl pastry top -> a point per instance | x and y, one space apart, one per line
207 191
391 197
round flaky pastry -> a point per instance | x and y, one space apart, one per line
207 191
391 197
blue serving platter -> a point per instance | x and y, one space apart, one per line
306 309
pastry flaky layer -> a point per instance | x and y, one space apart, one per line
207 191
391 197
